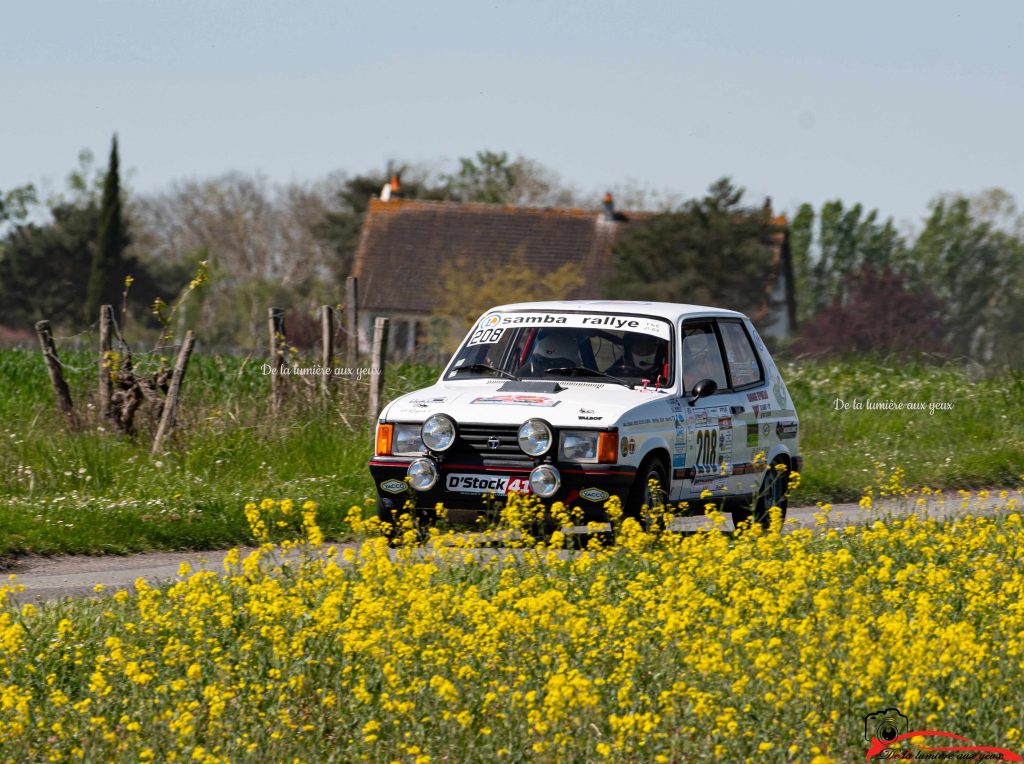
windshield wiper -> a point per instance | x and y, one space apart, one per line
570 371
486 367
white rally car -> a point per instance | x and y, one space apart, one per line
578 401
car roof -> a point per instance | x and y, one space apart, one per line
670 310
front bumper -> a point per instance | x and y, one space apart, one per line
586 486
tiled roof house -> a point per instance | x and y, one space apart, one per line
404 244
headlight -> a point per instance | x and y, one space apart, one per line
579 446
407 440
534 437
422 474
438 432
545 480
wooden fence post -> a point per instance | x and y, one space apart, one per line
377 361
352 320
171 402
327 346
106 386
275 329
60 387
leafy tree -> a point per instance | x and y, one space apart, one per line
976 269
43 268
486 178
15 204
109 266
473 286
879 312
710 251
845 241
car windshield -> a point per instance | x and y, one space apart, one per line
636 350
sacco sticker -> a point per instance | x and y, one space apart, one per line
393 486
594 494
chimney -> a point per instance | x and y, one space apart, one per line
392 188
609 207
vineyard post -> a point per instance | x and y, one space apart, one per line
60 387
377 361
106 387
171 403
275 328
327 344
352 320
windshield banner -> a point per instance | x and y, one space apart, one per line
608 321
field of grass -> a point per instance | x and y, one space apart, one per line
93 491
774 648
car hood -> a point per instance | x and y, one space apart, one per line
569 404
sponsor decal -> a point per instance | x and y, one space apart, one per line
480 484
725 421
394 486
489 322
678 461
786 430
891 739
752 436
760 395
779 390
517 399
766 429
624 448
426 402
590 418
701 417
594 494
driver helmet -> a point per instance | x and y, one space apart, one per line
553 344
643 347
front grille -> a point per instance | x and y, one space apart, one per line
475 443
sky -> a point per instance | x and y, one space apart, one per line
883 103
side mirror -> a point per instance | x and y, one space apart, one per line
701 389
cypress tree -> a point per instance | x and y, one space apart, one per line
106 276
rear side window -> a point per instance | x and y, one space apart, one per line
741 358
701 357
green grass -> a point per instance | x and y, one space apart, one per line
977 444
94 491
97 491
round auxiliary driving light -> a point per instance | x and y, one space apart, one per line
438 432
534 437
422 474
545 480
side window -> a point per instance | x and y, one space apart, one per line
744 366
701 357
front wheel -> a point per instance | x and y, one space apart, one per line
652 469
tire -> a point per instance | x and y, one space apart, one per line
652 468
772 493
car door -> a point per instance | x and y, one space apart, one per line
710 432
